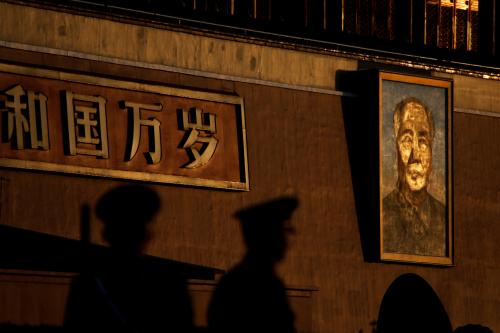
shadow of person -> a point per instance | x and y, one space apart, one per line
251 297
119 291
411 305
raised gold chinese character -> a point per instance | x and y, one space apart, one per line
153 156
35 122
87 128
199 142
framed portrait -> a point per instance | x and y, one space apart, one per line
415 157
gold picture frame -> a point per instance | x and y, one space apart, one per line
415 169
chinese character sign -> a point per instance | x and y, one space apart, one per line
121 129
26 112
86 127
195 129
153 156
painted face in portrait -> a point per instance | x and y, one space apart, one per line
414 146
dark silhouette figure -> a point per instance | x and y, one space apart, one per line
410 305
251 297
473 328
121 292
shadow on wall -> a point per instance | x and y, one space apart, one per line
251 297
127 210
360 116
121 292
410 305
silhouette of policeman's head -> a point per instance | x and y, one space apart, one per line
473 328
265 227
126 212
410 305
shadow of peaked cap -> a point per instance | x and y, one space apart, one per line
280 209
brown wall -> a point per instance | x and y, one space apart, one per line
296 145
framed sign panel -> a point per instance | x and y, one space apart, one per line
415 137
95 126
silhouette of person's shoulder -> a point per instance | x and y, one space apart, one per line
436 207
133 297
251 297
250 300
395 207
410 229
